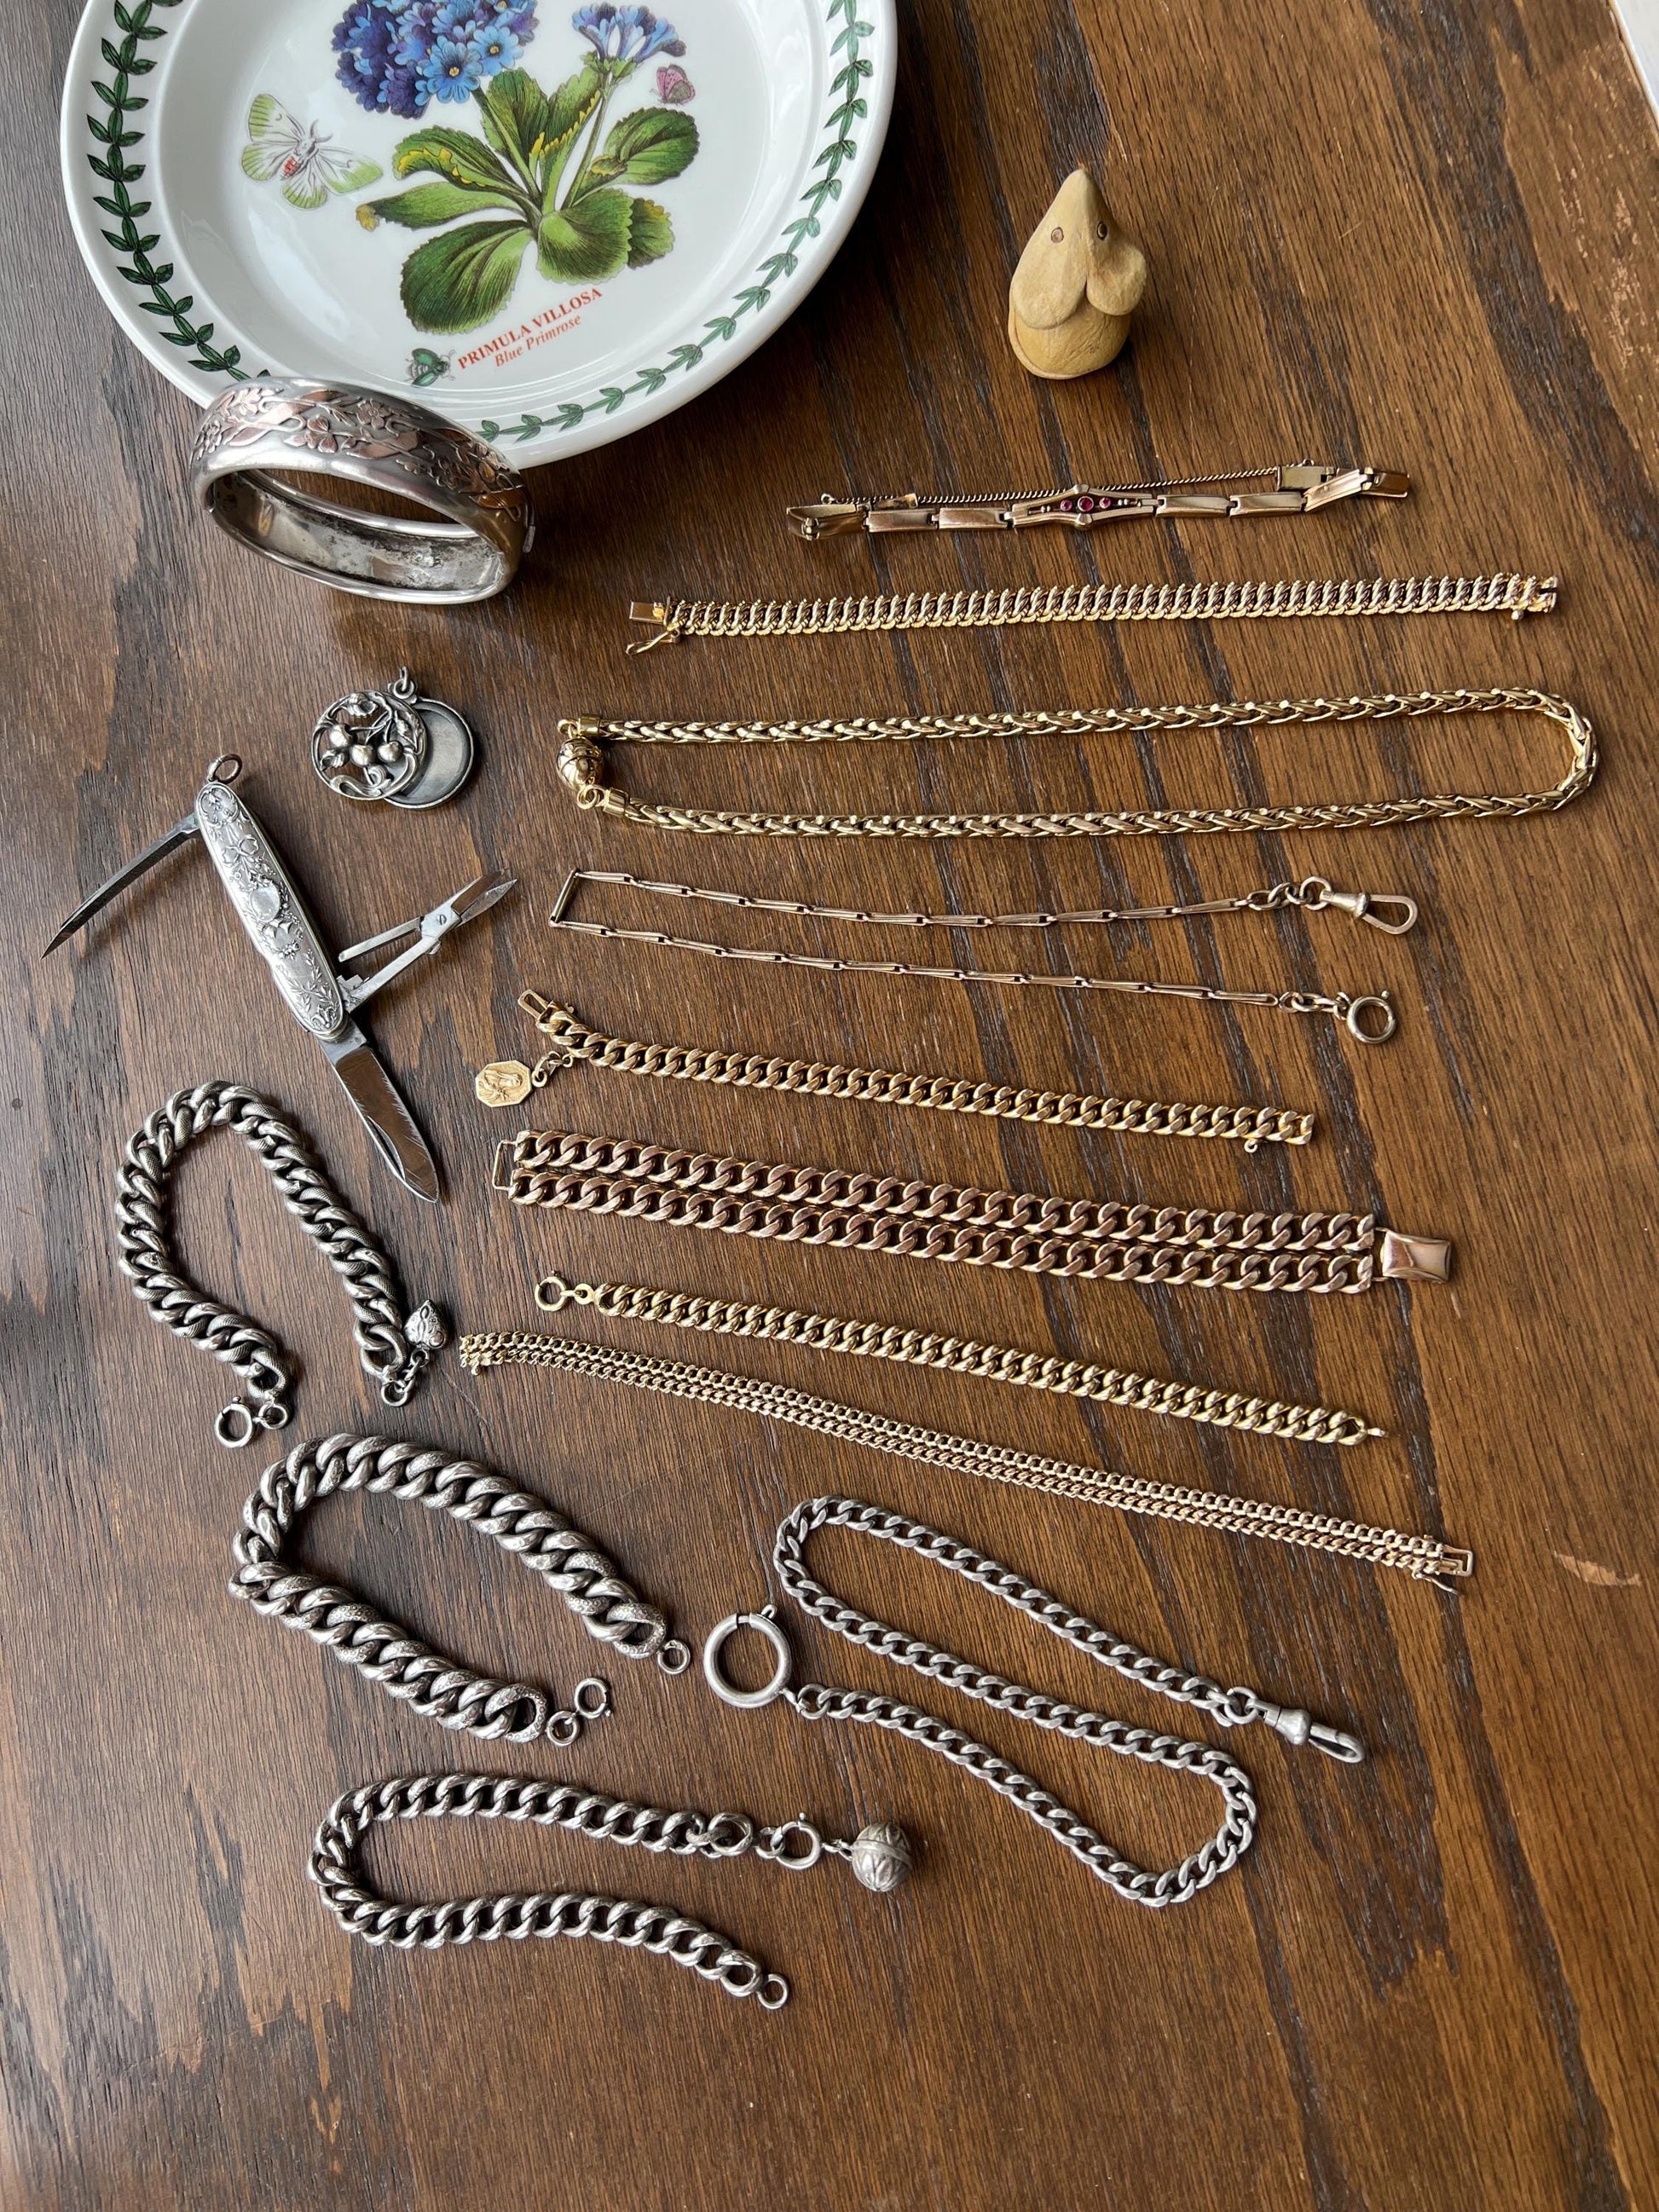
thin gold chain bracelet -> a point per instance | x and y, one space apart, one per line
1267 600
1425 1558
950 1355
509 1082
583 744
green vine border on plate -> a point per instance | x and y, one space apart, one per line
133 249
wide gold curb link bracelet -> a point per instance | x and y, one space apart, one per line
1093 1240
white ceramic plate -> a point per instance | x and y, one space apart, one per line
554 226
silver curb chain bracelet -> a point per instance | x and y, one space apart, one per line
880 1855
394 1349
435 1686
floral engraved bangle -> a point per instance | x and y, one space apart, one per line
467 549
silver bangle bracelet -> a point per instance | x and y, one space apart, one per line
482 520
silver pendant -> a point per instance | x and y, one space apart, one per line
393 745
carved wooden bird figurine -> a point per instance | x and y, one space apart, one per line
1079 280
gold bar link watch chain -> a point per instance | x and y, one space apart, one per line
1300 488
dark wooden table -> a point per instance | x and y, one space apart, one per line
1423 237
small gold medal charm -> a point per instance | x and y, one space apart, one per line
503 1083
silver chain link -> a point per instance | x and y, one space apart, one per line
1234 1708
394 1351
365 1913
435 1686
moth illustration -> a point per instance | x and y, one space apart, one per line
426 367
673 85
300 156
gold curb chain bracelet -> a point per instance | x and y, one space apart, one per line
570 1041
950 1355
1089 1239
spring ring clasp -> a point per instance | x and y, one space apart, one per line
764 1623
1357 1019
237 1425
774 1844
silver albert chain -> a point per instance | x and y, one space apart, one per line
814 1701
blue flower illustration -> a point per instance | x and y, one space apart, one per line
626 35
399 93
396 57
496 49
451 70
546 153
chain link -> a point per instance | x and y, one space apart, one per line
1298 488
1234 1708
815 1701
581 764
949 1355
1368 1016
1389 912
570 1040
1093 1240
394 1352
1423 1558
435 1686
1331 596
363 1912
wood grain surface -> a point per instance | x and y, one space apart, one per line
1422 236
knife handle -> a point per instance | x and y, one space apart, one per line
270 908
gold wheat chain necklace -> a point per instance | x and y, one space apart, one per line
1425 1558
1330 597
583 743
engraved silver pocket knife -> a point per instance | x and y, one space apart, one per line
322 996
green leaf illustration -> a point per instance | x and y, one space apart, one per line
424 206
650 234
460 280
515 119
569 108
587 241
649 146
455 154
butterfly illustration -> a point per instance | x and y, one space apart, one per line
426 367
674 86
301 155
